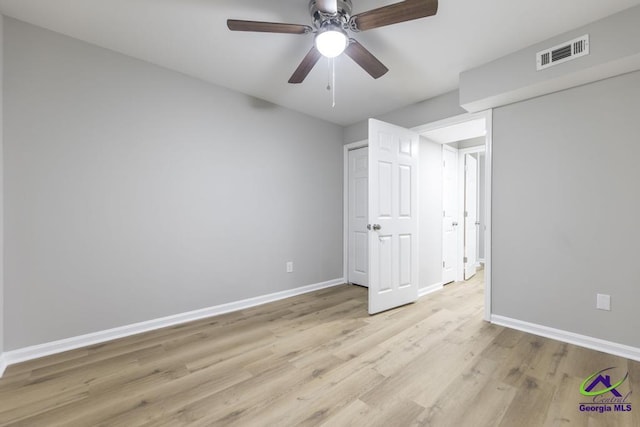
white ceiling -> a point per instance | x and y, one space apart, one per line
425 56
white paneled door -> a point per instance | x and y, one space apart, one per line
471 215
449 214
393 216
358 212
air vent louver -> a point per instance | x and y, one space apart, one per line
563 52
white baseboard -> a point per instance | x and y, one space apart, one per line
616 349
3 364
46 349
430 289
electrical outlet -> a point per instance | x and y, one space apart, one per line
603 302
289 266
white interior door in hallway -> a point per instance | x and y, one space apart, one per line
449 214
358 260
393 216
471 216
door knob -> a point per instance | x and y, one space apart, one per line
376 227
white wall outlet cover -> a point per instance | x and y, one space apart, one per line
603 302
289 266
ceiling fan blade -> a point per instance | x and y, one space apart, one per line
305 66
327 6
267 27
365 59
407 10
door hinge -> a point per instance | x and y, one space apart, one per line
444 163
466 214
464 259
443 264
444 213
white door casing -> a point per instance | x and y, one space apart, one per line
358 272
450 221
471 215
393 216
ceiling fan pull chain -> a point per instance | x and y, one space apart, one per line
333 82
328 73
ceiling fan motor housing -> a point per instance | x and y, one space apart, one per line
323 19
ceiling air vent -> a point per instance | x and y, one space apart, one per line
563 52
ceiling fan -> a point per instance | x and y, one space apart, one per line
331 20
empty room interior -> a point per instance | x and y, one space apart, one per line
324 212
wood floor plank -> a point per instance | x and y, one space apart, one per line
530 403
566 401
120 396
381 330
456 395
634 380
400 413
315 401
355 414
320 359
487 408
32 365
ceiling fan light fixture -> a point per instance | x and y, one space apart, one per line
332 41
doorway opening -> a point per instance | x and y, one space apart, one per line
463 195
465 213
469 137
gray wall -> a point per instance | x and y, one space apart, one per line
430 224
614 49
1 193
431 110
133 192
565 198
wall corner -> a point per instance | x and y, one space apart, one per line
2 364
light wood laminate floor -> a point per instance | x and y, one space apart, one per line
320 359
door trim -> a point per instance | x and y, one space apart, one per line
488 116
488 174
465 216
461 201
457 268
345 204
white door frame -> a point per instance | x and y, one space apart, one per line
345 204
462 118
461 201
457 266
470 213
